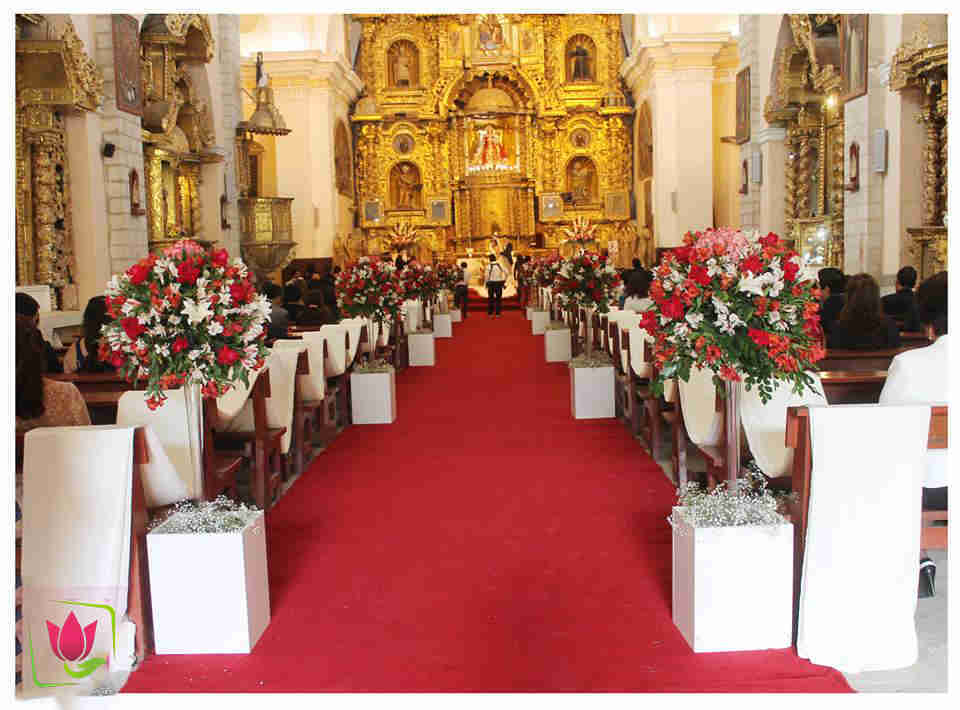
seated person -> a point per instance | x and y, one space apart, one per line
832 283
861 324
41 401
902 305
922 375
28 309
279 317
636 293
291 299
316 311
84 354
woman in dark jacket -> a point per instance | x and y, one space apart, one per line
861 324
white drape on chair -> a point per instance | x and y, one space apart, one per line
314 385
765 424
859 585
336 337
175 469
77 498
698 398
638 336
231 402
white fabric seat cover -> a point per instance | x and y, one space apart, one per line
858 594
703 423
765 424
638 336
282 363
626 321
231 402
336 337
313 385
175 469
77 499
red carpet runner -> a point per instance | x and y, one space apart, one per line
485 541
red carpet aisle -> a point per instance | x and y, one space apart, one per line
484 542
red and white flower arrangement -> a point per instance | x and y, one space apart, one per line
190 316
447 275
587 280
735 304
544 270
581 232
403 236
369 288
419 281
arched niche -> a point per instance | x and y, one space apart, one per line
403 65
580 59
582 181
406 186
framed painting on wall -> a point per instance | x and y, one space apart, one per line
440 210
372 212
616 205
743 105
126 60
551 206
854 29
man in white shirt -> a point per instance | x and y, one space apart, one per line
495 278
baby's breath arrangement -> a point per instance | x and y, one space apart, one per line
220 515
752 503
378 365
557 325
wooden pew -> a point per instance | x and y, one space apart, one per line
101 392
860 359
303 418
853 386
798 438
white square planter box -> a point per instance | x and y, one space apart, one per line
422 349
373 397
529 312
591 392
557 345
733 586
455 315
209 590
442 327
540 321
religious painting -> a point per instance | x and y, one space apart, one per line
616 205
403 143
551 205
341 159
743 105
491 146
372 211
490 34
854 28
580 138
403 65
126 61
581 59
440 210
405 187
581 181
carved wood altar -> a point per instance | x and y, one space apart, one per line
467 120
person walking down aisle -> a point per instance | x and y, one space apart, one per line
496 278
460 292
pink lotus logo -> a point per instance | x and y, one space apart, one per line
72 643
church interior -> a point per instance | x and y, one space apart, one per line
481 540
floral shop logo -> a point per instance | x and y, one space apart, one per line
72 644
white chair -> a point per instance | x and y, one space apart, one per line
353 326
858 592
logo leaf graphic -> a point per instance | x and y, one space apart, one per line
85 668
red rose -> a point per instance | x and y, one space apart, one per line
752 263
220 257
760 337
227 356
648 321
117 359
683 254
240 292
180 344
138 273
770 240
699 275
672 308
132 327
187 272
790 269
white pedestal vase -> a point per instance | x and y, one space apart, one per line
591 392
539 322
373 397
556 344
455 315
442 325
208 591
733 586
422 349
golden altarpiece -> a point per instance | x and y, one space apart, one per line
920 63
178 132
473 127
805 89
54 76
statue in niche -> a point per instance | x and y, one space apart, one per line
489 151
489 33
581 179
404 72
406 186
580 64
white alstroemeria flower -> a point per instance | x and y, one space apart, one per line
773 316
140 344
113 285
173 319
214 327
158 331
196 312
225 298
723 324
694 319
719 306
781 325
129 306
260 307
162 350
735 320
680 330
713 268
194 354
159 270
677 277
751 284
202 287
172 268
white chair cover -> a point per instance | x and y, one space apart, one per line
703 423
670 390
231 402
384 337
638 336
175 469
626 321
282 363
77 498
858 594
765 424
411 310
353 326
312 385
336 337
